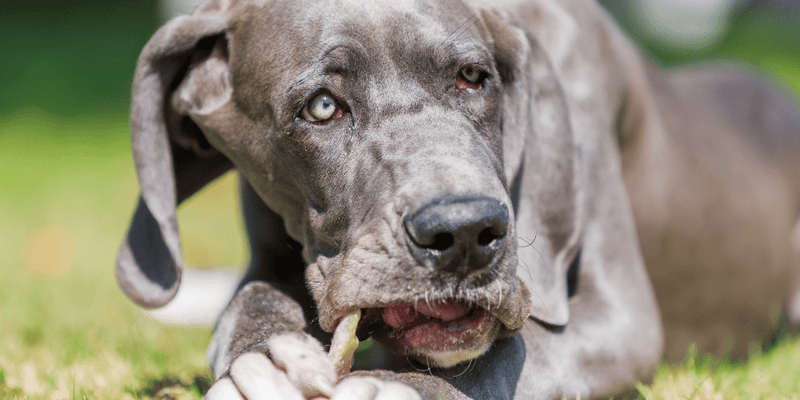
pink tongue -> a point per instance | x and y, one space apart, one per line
445 311
399 316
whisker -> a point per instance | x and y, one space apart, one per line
500 295
474 19
469 366
525 267
412 364
427 299
528 328
456 30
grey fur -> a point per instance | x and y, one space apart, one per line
589 147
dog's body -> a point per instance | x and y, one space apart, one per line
715 196
458 172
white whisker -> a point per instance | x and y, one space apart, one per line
469 365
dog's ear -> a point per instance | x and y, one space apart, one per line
540 164
182 72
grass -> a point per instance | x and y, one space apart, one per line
769 375
67 191
67 330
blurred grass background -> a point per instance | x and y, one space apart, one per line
67 191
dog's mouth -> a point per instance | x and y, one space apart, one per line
440 333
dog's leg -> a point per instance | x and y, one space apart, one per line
260 345
264 345
793 307
261 350
267 320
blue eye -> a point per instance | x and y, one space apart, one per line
320 109
470 78
471 74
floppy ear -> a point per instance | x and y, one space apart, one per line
182 71
540 165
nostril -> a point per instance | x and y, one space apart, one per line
442 241
458 235
487 236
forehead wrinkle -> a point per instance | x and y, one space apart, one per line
378 8
438 40
389 92
390 42
337 56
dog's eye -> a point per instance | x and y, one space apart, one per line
469 78
321 109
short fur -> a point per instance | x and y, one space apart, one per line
591 149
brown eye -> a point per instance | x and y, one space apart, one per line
321 109
469 78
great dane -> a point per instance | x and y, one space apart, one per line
484 181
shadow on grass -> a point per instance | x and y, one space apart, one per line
171 387
784 332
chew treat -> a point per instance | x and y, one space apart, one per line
344 343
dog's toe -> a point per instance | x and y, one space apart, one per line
369 388
223 389
257 378
356 388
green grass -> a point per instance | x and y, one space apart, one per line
67 330
771 375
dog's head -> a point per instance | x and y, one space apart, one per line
389 136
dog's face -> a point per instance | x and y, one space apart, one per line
383 154
378 132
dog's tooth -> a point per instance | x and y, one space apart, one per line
344 343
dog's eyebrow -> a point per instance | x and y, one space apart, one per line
339 55
334 56
461 50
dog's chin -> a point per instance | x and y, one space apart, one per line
440 335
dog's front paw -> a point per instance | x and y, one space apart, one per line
299 369
369 388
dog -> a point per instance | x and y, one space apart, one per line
514 198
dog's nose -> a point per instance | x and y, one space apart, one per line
458 235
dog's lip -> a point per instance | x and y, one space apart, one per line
416 333
372 319
433 326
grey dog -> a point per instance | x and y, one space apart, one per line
514 198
